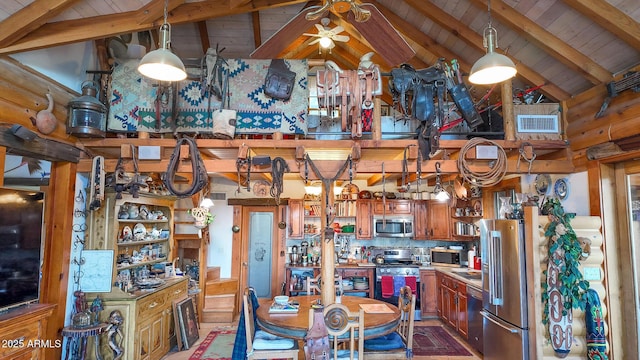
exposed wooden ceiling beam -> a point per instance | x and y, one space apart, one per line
410 31
610 18
283 37
255 20
204 36
463 32
154 11
29 18
72 31
545 40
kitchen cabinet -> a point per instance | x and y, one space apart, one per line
428 293
452 303
296 219
421 220
364 219
438 220
392 207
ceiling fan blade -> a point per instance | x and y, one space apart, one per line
316 14
315 35
337 30
343 38
319 27
315 41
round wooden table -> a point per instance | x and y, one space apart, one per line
295 325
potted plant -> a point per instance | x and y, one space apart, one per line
202 216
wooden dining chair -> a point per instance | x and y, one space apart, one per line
340 321
313 284
398 344
263 345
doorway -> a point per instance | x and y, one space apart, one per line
259 250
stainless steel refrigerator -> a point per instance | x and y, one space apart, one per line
505 325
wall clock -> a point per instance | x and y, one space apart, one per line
543 183
561 189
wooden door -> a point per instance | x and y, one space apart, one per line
261 249
450 307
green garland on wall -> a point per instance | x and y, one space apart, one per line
560 234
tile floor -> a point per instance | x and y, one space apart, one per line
205 328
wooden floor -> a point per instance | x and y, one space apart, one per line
205 328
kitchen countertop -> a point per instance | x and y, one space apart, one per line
342 266
459 274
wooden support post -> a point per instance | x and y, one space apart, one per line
3 155
507 111
376 127
126 151
328 292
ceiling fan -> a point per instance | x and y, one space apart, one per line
340 6
327 36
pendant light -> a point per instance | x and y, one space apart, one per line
161 64
440 193
492 67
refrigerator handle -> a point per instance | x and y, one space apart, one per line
495 269
488 316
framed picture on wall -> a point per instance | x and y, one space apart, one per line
186 323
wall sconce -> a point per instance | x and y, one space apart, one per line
440 193
492 67
161 64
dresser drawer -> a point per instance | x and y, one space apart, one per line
151 305
177 291
17 341
354 272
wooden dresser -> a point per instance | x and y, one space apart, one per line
148 329
22 332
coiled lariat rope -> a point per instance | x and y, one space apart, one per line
497 168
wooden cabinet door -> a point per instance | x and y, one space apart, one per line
420 225
364 227
451 309
439 220
439 296
380 207
402 207
428 293
296 219
463 321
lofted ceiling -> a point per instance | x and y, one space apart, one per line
564 47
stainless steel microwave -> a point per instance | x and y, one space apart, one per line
448 257
393 226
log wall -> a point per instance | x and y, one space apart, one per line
23 93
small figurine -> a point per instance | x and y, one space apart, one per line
113 331
96 307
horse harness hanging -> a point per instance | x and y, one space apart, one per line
200 177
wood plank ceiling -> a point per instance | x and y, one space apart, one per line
564 46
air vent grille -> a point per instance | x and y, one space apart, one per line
537 124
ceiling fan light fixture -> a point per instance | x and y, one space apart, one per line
325 42
162 64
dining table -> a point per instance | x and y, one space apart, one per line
380 318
